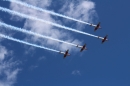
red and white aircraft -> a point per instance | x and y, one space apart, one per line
104 39
66 53
82 47
96 26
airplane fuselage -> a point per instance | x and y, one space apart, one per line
84 47
105 38
66 53
98 26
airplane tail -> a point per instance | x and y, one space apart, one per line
59 52
77 46
92 24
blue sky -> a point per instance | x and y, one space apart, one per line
105 64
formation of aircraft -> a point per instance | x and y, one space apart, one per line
66 53
82 48
98 27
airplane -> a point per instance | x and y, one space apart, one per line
96 26
66 53
104 39
82 47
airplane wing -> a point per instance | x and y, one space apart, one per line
66 55
81 50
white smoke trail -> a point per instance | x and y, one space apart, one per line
54 24
27 43
47 11
32 33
